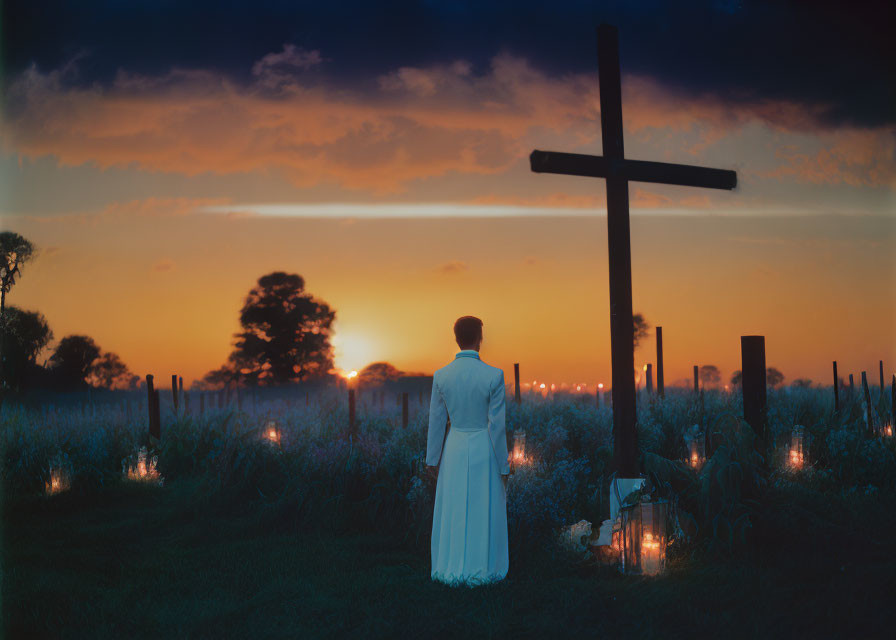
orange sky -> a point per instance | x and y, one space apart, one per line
150 201
164 292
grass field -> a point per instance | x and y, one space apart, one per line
147 562
325 534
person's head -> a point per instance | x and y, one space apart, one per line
468 332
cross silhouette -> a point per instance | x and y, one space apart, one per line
618 171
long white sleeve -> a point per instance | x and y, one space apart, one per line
438 419
497 430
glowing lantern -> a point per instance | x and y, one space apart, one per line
145 470
643 537
695 443
59 481
519 448
886 430
272 433
798 450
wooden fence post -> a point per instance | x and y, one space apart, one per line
881 380
697 378
155 428
404 410
752 349
516 382
852 387
149 399
893 400
660 387
597 397
351 411
174 390
868 417
836 390
649 379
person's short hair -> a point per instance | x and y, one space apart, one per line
467 331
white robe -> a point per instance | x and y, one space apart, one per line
469 523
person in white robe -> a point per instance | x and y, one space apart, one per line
467 449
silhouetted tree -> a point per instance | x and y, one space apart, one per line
378 373
25 334
72 360
15 251
285 337
773 377
803 383
109 372
709 374
641 328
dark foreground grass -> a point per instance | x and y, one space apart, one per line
147 562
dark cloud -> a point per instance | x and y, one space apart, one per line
820 52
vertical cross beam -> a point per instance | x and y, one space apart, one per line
752 350
622 340
516 382
660 389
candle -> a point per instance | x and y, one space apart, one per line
651 555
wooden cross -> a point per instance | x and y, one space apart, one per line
618 171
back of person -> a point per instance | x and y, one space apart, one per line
467 444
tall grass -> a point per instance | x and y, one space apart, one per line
318 477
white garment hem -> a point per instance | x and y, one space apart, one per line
467 581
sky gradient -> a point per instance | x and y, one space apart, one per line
162 170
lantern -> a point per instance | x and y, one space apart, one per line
272 433
695 443
59 481
797 456
145 470
643 537
886 430
519 448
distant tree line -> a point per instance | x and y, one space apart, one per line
76 363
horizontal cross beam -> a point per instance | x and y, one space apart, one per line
577 164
